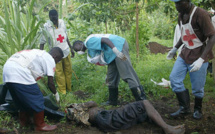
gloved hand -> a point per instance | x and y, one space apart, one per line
197 64
119 54
171 53
57 97
165 83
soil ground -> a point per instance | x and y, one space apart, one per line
164 106
155 48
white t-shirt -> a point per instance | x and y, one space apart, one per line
42 64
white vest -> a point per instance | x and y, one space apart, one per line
188 36
25 57
59 38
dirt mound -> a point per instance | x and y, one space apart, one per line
155 48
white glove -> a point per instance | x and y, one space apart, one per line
165 83
197 64
171 53
119 54
57 96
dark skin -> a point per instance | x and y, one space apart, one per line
184 7
54 20
51 85
108 42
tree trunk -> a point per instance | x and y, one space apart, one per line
137 30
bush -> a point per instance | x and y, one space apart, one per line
144 34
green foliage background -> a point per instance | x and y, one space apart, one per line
25 21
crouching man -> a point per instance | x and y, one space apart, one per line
20 73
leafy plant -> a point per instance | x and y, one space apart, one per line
144 34
19 28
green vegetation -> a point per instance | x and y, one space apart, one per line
21 21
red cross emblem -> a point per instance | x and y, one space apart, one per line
60 38
189 37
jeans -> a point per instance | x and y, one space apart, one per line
197 78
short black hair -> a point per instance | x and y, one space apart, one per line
53 12
57 51
77 44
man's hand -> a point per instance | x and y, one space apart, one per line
171 53
119 54
197 64
57 97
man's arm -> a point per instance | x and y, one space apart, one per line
51 84
179 43
208 47
52 88
71 48
108 42
115 50
42 46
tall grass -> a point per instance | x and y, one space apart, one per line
19 28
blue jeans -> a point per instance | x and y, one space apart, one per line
197 78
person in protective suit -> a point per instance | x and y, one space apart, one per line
112 50
20 73
198 37
57 37
120 118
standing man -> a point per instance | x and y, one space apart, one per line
57 30
198 36
20 73
112 50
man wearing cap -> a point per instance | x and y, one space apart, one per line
198 37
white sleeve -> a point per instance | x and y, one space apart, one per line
177 35
48 65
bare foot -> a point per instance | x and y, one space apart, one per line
174 129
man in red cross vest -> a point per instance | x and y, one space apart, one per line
57 37
198 37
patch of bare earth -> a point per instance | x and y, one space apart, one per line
155 48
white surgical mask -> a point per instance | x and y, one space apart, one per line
80 52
